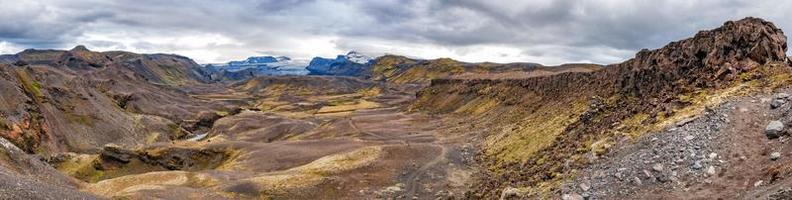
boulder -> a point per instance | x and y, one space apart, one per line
112 152
509 193
572 196
777 103
775 156
774 129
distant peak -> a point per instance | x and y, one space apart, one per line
80 48
356 57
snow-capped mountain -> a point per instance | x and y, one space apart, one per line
358 58
258 66
351 64
261 62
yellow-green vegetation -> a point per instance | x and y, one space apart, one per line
387 68
601 146
370 92
358 105
317 171
533 133
153 137
80 119
30 85
171 75
341 101
478 106
4 125
83 167
139 183
279 89
439 68
270 104
168 71
93 167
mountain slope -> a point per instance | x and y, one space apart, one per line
78 100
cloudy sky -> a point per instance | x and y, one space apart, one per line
548 32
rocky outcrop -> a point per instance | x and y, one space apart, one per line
709 59
168 158
26 177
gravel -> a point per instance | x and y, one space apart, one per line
670 159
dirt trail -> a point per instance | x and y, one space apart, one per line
420 178
352 124
413 180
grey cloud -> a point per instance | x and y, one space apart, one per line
561 30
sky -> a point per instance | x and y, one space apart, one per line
211 31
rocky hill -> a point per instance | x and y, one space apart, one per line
403 70
79 100
538 131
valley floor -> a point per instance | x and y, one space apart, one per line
361 148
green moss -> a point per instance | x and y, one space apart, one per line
4 126
173 76
370 92
175 131
537 131
635 125
85 168
30 85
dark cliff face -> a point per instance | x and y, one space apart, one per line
707 60
653 84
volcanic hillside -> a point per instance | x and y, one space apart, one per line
537 132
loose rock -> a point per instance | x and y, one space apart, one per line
773 129
775 156
658 167
509 192
697 165
777 103
585 187
572 196
711 170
